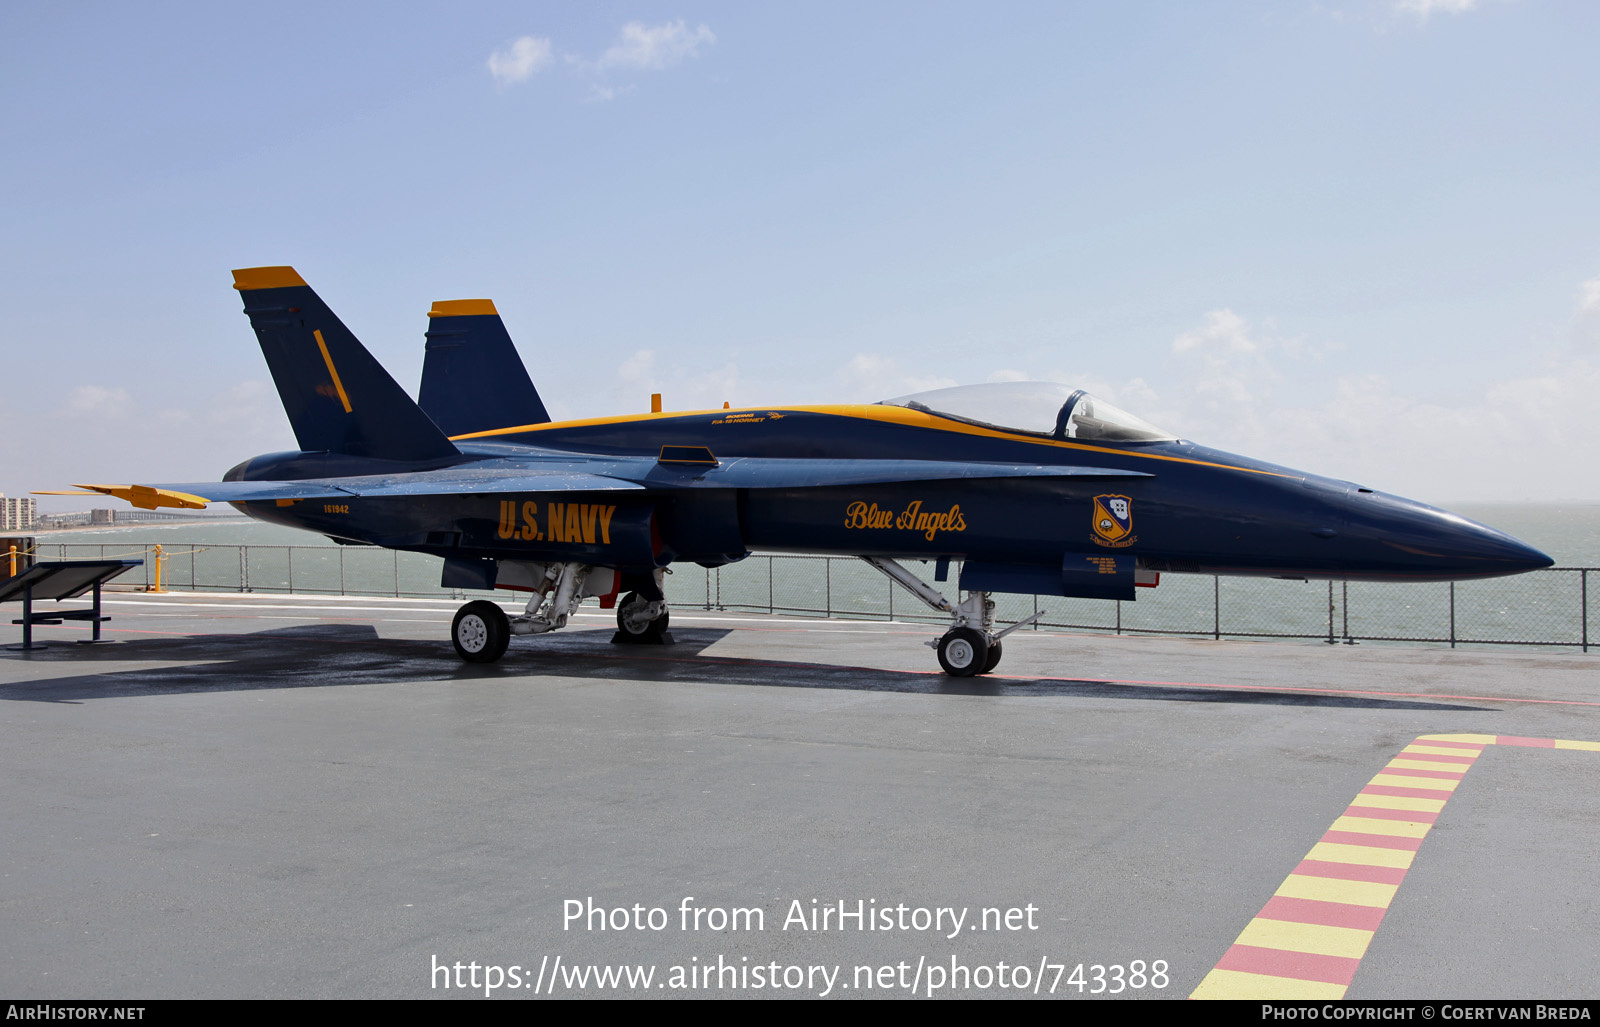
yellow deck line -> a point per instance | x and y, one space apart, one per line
1234 984
1370 825
1405 802
1337 889
1434 784
1284 936
1316 939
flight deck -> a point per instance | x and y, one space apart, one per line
281 796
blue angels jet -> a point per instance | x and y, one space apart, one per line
1032 487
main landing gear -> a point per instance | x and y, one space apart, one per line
971 646
481 630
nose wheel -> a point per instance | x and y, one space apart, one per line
972 645
964 652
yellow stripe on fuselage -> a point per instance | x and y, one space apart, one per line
870 412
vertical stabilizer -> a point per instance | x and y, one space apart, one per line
472 378
338 397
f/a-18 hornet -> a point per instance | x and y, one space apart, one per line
1032 487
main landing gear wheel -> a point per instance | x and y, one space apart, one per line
964 652
480 632
632 623
993 660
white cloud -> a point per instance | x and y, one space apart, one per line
98 401
1589 297
1513 439
1584 327
601 93
655 47
681 388
1423 9
638 47
1223 328
518 62
639 368
870 377
1229 376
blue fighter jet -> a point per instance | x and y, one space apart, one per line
1033 487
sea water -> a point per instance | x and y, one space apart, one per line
1548 607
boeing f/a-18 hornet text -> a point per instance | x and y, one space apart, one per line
1032 487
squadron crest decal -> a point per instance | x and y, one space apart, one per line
1113 521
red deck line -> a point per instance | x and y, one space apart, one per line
1373 841
1349 871
1302 966
1536 743
1383 813
1443 775
1313 691
1316 911
1405 793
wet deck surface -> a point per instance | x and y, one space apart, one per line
278 796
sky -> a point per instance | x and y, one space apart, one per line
1358 237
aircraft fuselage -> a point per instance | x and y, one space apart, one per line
1189 508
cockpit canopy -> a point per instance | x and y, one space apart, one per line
1035 408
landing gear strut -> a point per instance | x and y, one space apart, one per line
481 630
972 645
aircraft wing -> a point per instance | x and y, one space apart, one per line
624 475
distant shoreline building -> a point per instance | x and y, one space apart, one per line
100 517
18 513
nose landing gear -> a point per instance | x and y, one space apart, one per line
972 645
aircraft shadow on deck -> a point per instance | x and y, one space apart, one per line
322 655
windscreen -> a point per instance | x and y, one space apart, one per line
1035 408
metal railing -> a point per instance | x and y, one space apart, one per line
1547 607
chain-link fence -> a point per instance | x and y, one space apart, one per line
1543 608
1547 607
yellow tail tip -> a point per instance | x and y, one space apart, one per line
461 308
247 278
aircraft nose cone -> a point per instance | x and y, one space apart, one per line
1419 542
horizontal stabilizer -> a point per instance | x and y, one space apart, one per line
195 495
338 397
472 378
